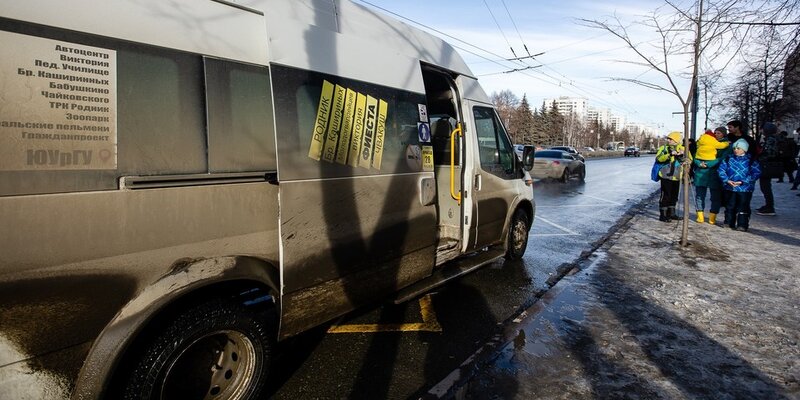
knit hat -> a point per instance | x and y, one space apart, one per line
722 129
770 128
676 136
741 144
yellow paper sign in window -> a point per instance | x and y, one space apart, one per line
350 128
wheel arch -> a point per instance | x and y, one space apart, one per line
523 204
187 281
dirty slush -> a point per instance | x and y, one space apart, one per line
647 319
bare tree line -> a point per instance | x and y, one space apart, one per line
545 126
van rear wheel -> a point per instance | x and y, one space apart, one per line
218 349
518 235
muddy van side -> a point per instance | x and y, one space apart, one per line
187 178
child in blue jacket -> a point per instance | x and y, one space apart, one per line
739 172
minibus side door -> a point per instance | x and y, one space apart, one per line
494 163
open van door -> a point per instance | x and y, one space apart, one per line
493 166
452 162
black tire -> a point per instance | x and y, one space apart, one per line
518 235
564 176
582 174
216 349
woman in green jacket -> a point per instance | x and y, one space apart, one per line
706 179
671 155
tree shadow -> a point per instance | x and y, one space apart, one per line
607 378
776 237
696 364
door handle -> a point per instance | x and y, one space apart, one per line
478 181
456 196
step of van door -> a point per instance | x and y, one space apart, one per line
448 272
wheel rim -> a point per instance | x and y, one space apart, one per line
520 235
219 365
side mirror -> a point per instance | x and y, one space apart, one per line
527 157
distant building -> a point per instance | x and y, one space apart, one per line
570 105
603 116
617 122
600 115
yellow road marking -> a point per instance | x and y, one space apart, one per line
429 323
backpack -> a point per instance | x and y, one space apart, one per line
769 149
784 148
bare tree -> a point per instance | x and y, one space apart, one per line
573 130
505 102
712 100
688 37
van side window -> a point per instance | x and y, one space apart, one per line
159 116
240 122
494 148
161 119
329 126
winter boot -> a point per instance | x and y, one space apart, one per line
743 220
671 214
700 218
712 218
662 215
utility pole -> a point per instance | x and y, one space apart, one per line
694 110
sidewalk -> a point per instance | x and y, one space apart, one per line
643 318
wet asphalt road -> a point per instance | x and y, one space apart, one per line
443 329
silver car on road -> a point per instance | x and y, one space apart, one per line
557 164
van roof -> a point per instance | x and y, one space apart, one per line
329 36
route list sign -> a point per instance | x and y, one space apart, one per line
58 105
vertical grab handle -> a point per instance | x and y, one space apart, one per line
456 196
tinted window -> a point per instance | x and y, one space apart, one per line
159 115
548 154
335 127
240 124
494 148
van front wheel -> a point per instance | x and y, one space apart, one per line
518 235
217 349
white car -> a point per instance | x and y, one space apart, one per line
557 164
519 148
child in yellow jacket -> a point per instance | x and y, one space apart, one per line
707 147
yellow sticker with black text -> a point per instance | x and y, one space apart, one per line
347 127
380 134
335 125
350 128
321 122
427 158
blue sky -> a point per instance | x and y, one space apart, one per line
577 60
